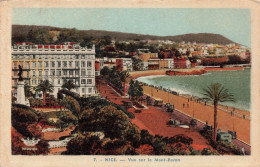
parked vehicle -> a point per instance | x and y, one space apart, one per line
138 111
224 136
193 122
127 104
158 102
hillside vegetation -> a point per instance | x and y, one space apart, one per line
20 32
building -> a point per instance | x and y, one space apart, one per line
181 63
124 64
163 63
56 63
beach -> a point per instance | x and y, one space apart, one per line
229 119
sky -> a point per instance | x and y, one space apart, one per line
232 23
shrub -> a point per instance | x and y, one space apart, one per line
145 149
146 137
21 119
133 134
208 151
181 138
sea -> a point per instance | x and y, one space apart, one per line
237 82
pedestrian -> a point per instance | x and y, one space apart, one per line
243 150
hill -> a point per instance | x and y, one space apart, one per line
21 31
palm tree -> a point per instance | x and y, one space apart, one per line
44 87
69 85
123 77
217 93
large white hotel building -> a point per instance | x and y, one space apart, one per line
55 63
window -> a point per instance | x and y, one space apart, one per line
59 64
83 64
83 56
39 64
83 81
33 72
83 72
64 64
64 72
15 65
53 72
46 73
83 90
28 74
52 64
27 64
59 72
89 81
70 63
89 63
77 72
77 63
40 73
33 64
15 73
89 90
58 81
70 72
33 82
46 64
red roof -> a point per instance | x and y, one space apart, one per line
39 46
69 46
52 46
46 46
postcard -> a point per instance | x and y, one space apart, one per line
138 83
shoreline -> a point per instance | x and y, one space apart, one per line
158 73
186 94
238 120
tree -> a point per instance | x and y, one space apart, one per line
45 86
27 90
39 36
69 85
73 105
217 93
105 71
135 90
123 77
71 35
114 123
137 64
86 42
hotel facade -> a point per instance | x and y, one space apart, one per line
56 63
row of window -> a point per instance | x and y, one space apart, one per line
54 73
59 81
51 56
68 64
54 64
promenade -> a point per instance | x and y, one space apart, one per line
154 119
237 120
